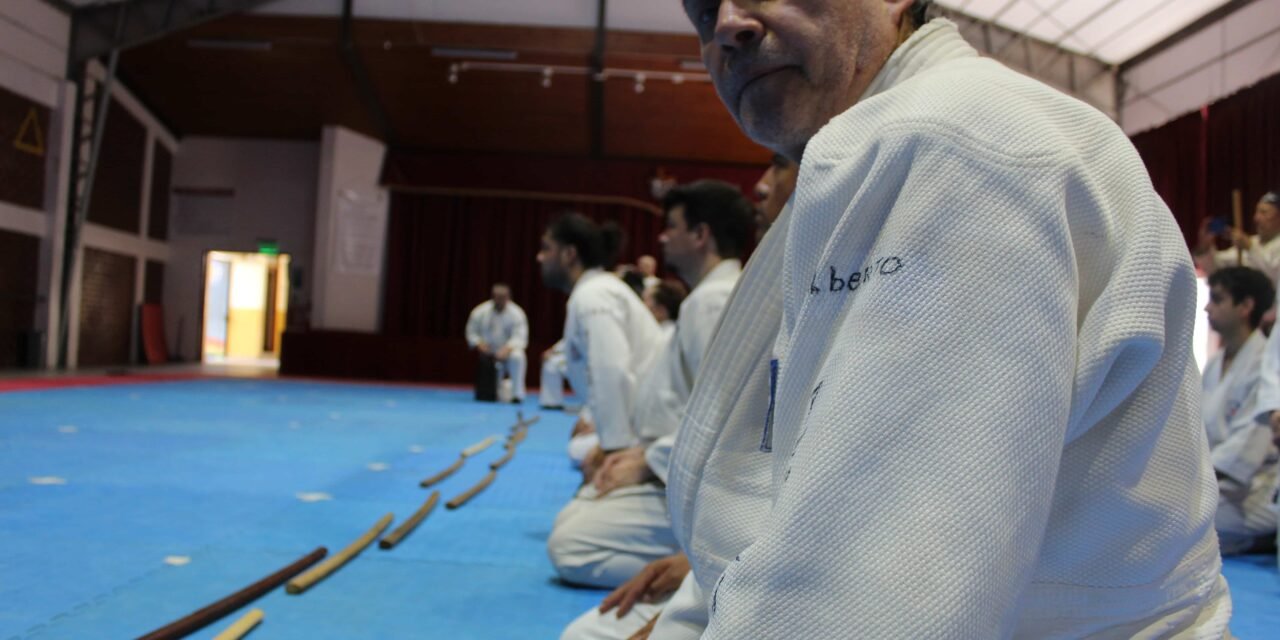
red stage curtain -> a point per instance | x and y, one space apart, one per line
1197 160
1243 148
1174 155
444 252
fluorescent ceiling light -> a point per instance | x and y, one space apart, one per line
473 54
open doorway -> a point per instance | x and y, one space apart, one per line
246 297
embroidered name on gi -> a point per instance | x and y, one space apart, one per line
830 280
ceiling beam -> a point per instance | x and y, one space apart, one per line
99 29
595 91
360 76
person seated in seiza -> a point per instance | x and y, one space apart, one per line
618 523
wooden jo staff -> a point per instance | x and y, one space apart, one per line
462 459
463 497
1237 210
216 611
240 628
409 525
322 571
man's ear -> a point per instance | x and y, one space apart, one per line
703 232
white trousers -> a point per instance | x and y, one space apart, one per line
514 366
1241 523
594 625
603 542
551 385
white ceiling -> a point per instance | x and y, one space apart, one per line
1110 30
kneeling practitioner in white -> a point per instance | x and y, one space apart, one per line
608 333
499 328
618 523
1239 434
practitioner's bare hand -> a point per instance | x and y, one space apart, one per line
1275 427
502 354
581 428
623 468
591 464
483 348
656 580
1240 239
643 633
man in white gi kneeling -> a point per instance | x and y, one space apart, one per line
1239 437
969 371
618 523
499 329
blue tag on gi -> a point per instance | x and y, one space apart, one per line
766 442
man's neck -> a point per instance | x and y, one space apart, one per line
709 262
1232 344
575 274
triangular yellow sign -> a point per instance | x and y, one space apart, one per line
30 139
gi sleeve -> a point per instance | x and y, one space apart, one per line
915 482
696 327
1268 397
610 383
520 333
658 456
475 327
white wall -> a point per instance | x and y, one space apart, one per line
274 185
33 52
1219 60
351 222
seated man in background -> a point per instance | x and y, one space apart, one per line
1260 251
499 329
1238 430
618 522
648 268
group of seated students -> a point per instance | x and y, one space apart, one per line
634 350
1241 382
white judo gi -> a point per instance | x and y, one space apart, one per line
604 541
551 382
986 420
508 328
1240 446
609 338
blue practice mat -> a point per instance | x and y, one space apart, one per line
99 485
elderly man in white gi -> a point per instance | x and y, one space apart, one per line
618 522
1239 434
499 328
1260 251
969 369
